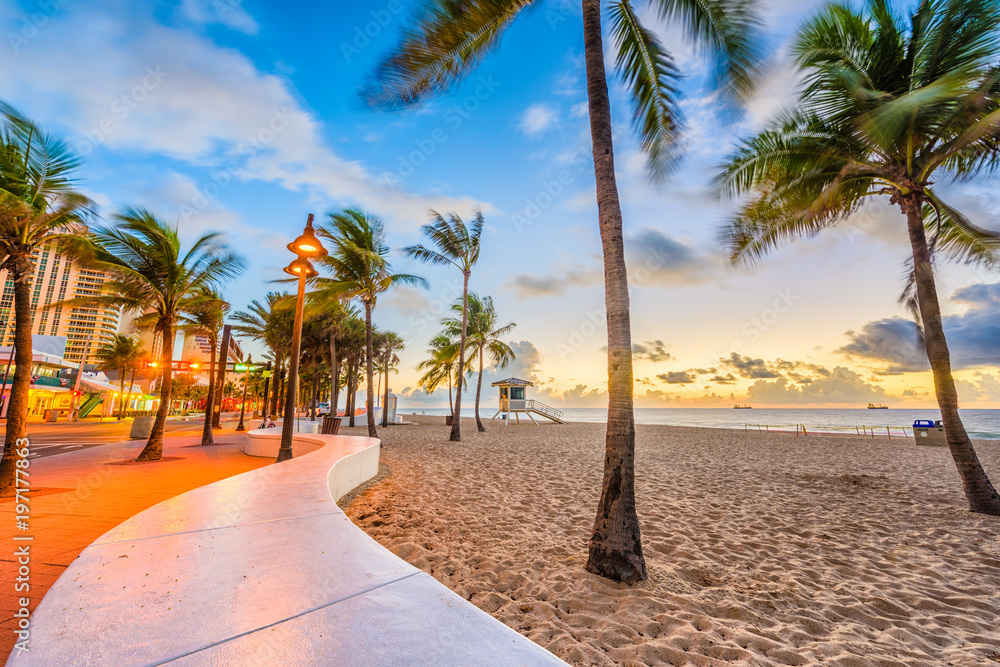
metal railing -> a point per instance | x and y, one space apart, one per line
543 409
805 429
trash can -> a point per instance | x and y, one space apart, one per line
449 420
929 433
51 415
141 427
330 425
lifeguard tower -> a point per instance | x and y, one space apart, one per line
513 401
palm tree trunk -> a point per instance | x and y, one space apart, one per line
456 423
315 395
206 432
334 379
615 548
121 406
385 399
131 382
153 451
17 406
479 391
451 402
980 493
276 389
352 388
370 371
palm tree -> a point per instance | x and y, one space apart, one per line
457 245
38 205
327 305
269 323
148 271
439 366
450 38
390 344
207 319
484 335
121 354
360 270
891 106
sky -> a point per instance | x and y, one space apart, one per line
244 117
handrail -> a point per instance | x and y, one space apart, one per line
544 409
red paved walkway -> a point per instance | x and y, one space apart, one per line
76 497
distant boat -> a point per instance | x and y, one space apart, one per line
742 407
877 406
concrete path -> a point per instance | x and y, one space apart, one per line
79 495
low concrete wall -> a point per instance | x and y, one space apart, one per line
262 569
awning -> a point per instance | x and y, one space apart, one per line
97 385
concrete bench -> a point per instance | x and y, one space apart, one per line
262 569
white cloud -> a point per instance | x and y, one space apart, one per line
226 12
580 110
130 83
538 118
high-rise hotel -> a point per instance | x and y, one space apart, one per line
57 278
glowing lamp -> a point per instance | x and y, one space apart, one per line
307 246
300 267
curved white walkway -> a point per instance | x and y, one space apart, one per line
262 569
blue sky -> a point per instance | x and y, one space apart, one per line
244 117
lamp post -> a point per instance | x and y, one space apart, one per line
305 247
246 383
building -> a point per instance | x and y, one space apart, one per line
56 279
49 389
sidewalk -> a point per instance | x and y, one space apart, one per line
77 497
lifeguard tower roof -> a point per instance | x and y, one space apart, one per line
513 382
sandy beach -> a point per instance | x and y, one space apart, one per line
762 549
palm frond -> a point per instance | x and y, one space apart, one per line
650 74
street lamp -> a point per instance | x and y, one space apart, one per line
305 247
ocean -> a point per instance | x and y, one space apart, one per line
981 424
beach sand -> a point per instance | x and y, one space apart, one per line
761 549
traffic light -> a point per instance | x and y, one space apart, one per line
151 364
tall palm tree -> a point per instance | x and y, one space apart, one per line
38 204
361 270
457 245
450 38
122 353
148 271
271 324
207 319
891 105
485 337
439 366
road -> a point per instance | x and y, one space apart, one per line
59 438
